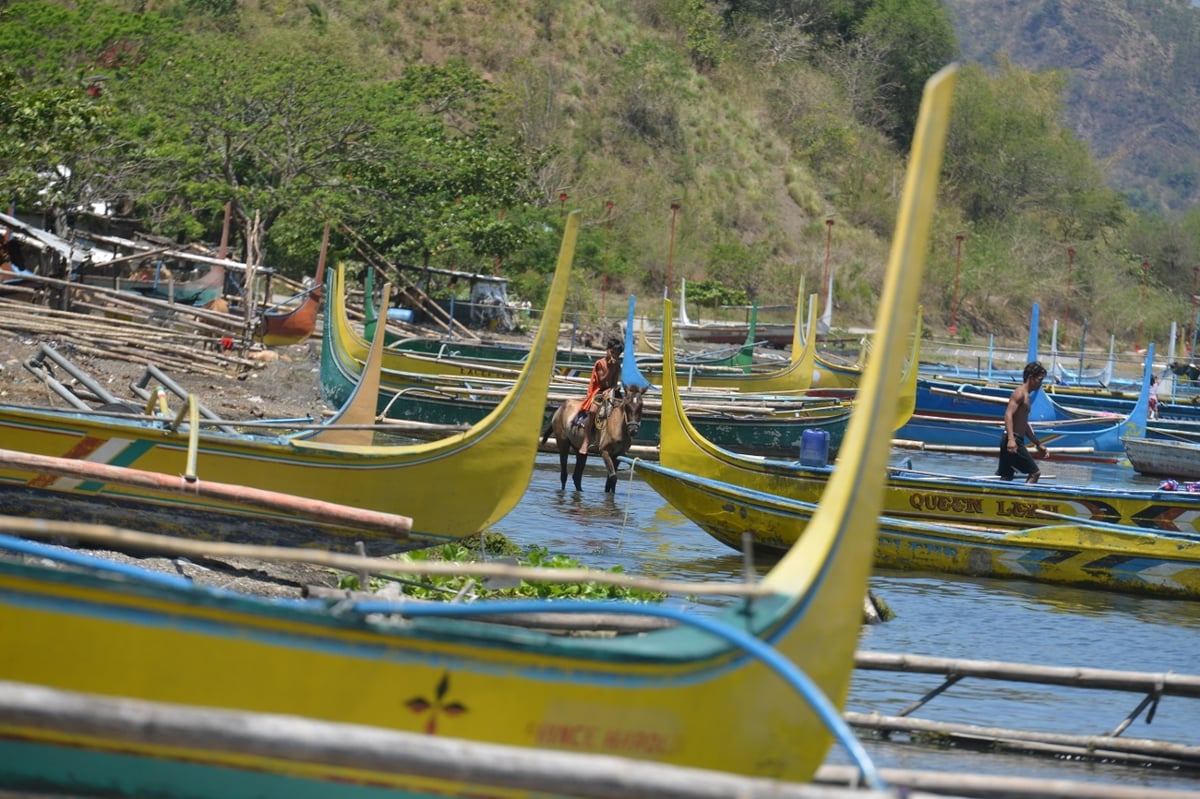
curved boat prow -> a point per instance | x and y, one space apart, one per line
351 424
823 577
1034 323
1135 424
906 402
804 353
838 547
631 376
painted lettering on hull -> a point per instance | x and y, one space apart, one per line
588 737
950 505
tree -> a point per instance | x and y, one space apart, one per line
917 39
273 131
445 181
711 293
1006 152
742 266
56 118
46 139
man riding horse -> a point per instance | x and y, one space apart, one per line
606 372
610 412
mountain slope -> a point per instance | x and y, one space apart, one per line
1134 87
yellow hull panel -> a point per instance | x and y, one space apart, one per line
705 694
490 464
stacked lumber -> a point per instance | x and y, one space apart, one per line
192 341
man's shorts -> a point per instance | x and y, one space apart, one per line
1013 462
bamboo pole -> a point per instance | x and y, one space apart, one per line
909 782
1100 747
240 496
476 766
126 340
450 324
1167 683
120 539
226 320
133 723
909 443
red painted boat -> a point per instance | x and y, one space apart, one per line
278 327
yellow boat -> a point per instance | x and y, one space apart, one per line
1081 554
450 488
916 495
403 368
711 693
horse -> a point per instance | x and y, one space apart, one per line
617 422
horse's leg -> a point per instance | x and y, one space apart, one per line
610 483
580 462
564 445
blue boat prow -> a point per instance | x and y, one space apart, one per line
630 374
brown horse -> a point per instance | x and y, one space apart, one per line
618 421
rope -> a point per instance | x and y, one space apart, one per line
628 491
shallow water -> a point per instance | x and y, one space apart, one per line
938 616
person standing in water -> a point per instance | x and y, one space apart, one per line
1014 457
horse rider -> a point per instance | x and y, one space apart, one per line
606 372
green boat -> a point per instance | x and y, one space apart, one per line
760 424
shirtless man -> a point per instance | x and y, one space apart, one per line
1013 455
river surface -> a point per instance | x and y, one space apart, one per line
936 615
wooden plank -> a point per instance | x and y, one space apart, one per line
347 746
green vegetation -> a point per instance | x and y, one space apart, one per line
458 134
447 587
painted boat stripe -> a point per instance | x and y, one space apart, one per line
111 451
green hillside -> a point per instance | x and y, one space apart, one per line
458 133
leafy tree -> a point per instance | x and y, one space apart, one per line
272 131
702 26
446 182
711 293
61 65
46 137
835 20
742 266
49 43
917 39
1006 153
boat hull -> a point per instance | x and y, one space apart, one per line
1134 562
1164 458
338 462
169 642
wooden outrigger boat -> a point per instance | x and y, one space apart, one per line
404 363
1162 457
284 325
417 668
1095 439
970 417
1082 554
920 496
778 334
969 420
491 461
763 424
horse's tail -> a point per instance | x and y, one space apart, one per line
549 429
